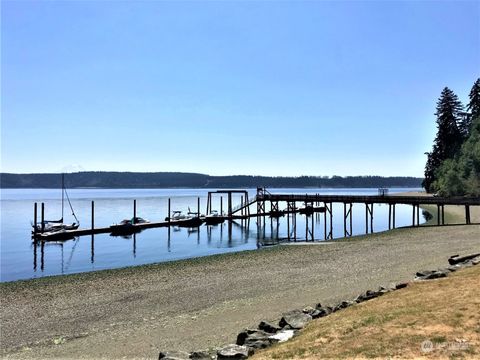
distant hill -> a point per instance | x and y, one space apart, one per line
100 179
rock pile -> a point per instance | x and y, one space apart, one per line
293 321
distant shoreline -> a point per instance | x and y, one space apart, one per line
166 180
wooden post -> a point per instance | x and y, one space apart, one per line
294 221
467 214
169 211
306 227
241 205
229 205
443 214
366 218
134 211
371 220
351 214
221 205
344 219
93 215
198 206
394 225
389 216
43 217
288 220
418 214
35 219
438 215
413 215
313 228
331 221
92 249
325 220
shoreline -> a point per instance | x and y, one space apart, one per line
453 216
206 301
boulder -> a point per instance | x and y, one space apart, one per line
313 312
268 327
234 351
173 355
368 295
296 319
401 285
455 259
323 311
202 355
429 275
343 305
257 339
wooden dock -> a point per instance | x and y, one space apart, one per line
267 204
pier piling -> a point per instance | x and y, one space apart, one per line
134 211
93 215
35 219
43 217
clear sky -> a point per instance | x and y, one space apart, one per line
260 88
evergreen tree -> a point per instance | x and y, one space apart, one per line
473 109
449 138
474 104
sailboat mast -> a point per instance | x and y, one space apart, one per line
63 191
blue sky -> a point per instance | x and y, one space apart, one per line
261 88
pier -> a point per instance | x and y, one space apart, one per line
267 204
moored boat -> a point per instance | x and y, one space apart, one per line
214 218
52 226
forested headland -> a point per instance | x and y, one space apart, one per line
453 164
192 180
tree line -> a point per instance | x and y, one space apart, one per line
453 164
193 180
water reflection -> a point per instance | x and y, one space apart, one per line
118 250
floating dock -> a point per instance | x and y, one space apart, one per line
310 203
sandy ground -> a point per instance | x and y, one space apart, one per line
201 303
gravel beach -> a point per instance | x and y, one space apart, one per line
205 302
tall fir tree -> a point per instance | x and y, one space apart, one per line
473 110
473 106
448 139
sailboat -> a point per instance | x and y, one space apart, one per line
53 226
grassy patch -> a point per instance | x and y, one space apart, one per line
442 312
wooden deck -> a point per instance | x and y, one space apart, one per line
240 212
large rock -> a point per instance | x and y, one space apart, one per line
401 285
343 305
257 339
455 259
431 274
269 327
234 351
368 295
174 355
323 311
203 355
313 312
295 319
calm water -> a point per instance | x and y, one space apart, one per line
20 259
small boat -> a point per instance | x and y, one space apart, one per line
214 218
176 215
127 226
189 222
57 235
50 226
